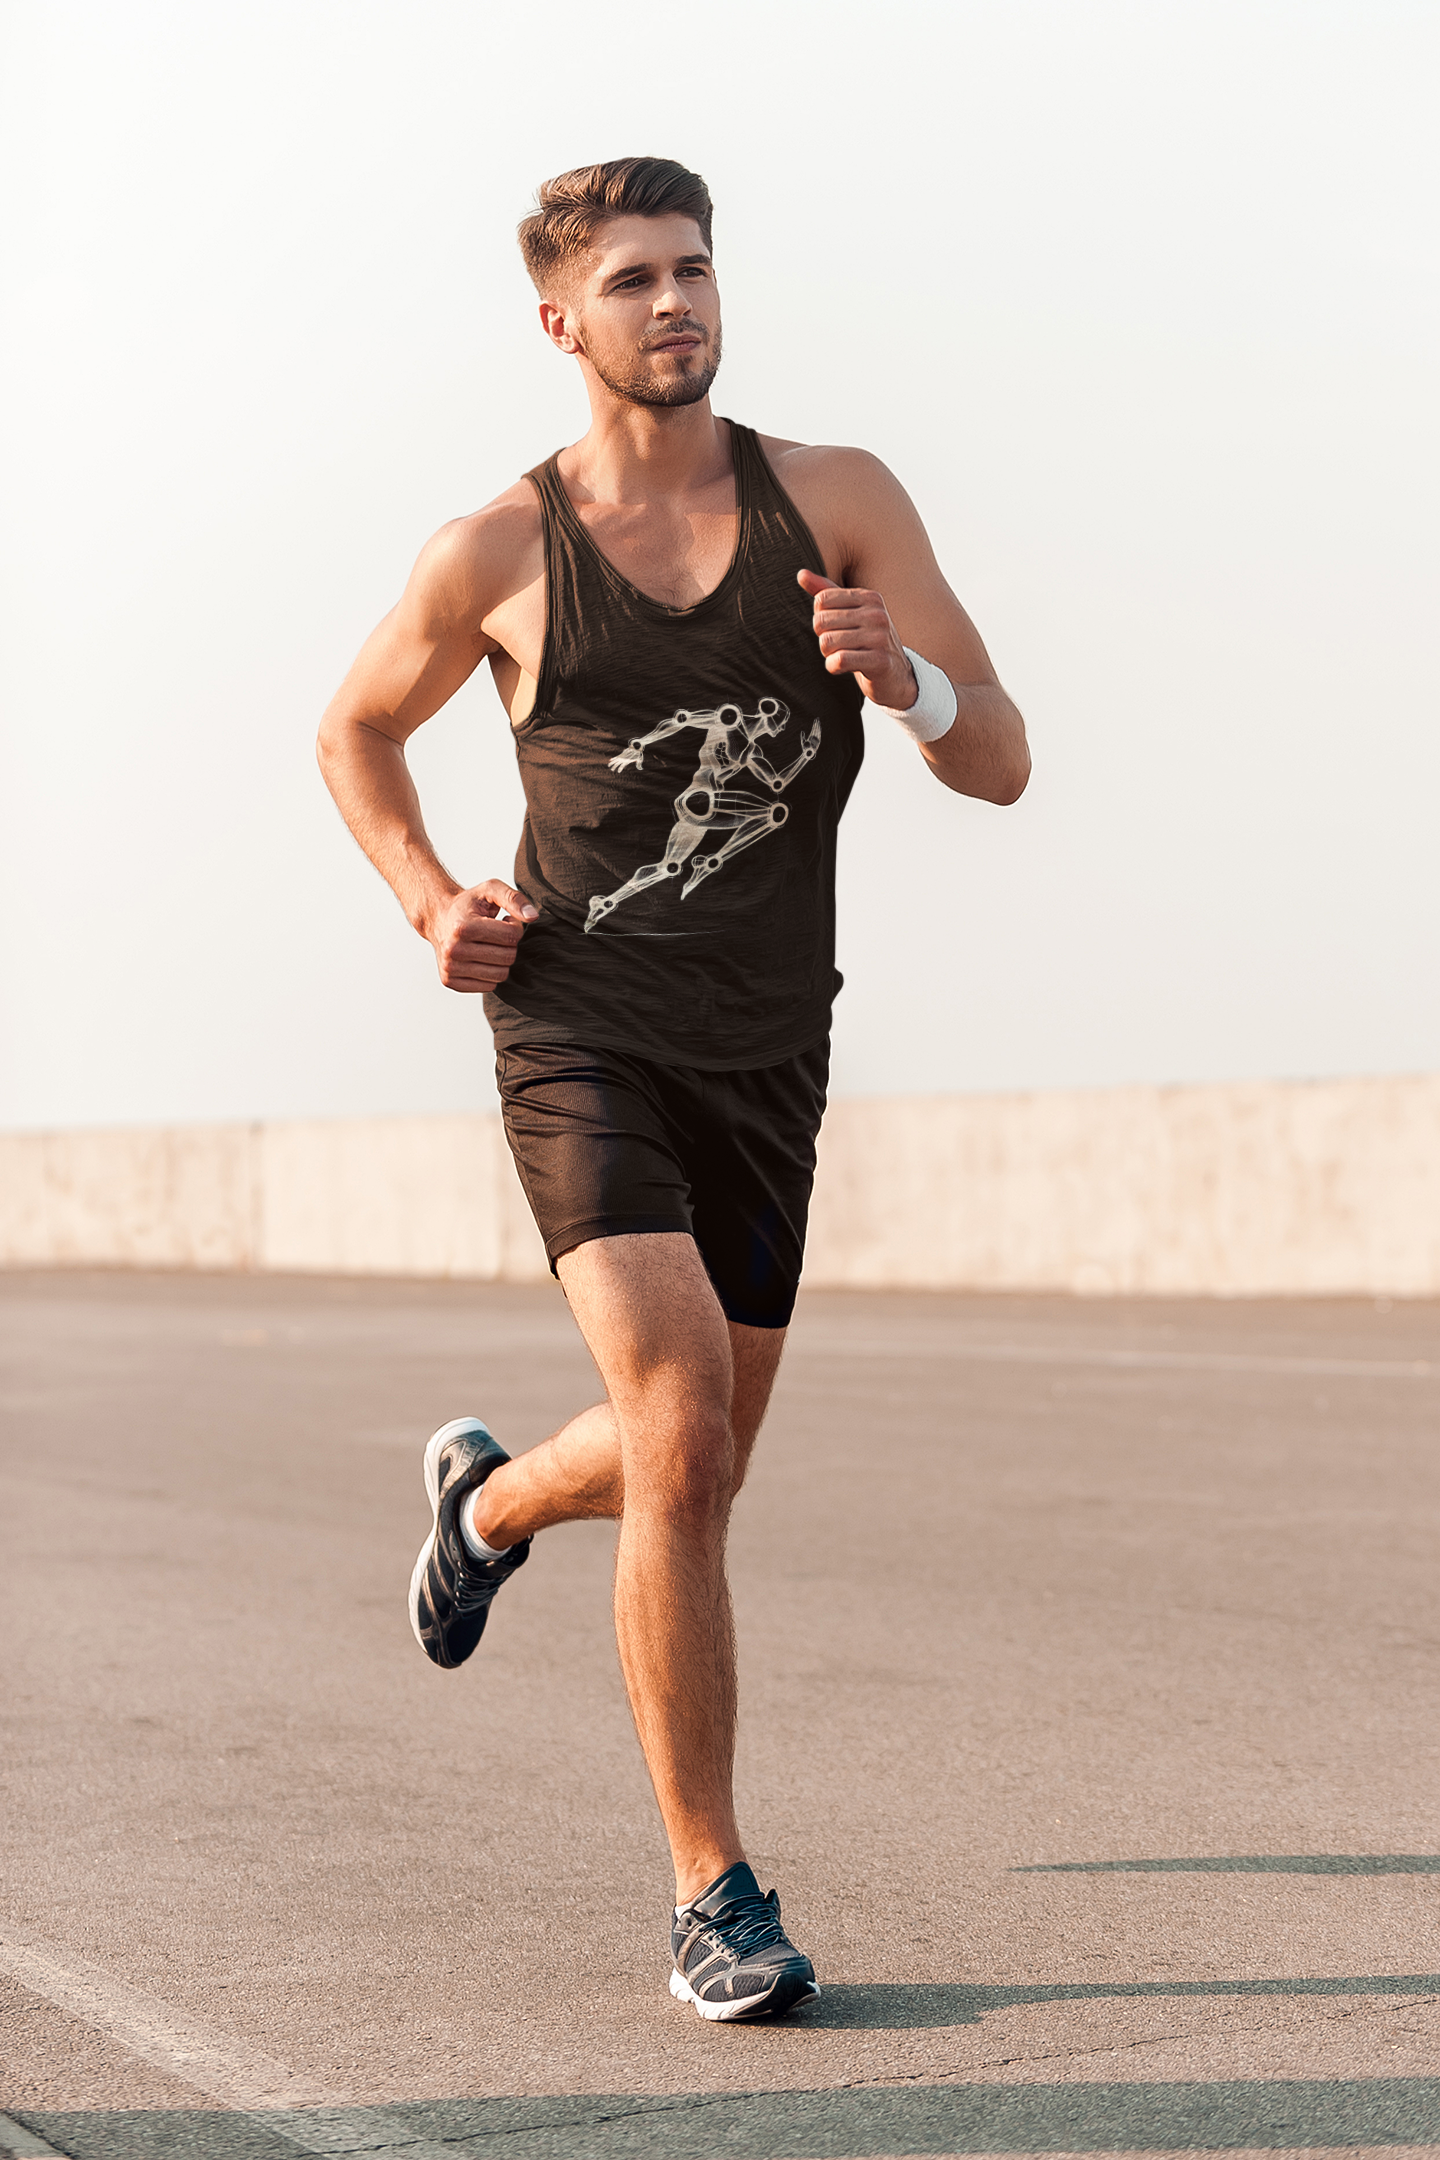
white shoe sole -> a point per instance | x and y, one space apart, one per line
725 2013
432 1489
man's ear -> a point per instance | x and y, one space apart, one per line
555 321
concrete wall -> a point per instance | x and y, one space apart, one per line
342 1196
1300 1187
1279 1187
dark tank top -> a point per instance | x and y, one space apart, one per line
684 771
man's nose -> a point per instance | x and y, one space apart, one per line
671 302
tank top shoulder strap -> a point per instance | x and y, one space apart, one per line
545 479
573 581
750 469
554 504
775 518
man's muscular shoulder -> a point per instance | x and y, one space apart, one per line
839 491
474 567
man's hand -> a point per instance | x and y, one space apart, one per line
474 949
858 638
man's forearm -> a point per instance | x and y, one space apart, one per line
985 752
367 774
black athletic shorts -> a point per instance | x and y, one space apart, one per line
607 1144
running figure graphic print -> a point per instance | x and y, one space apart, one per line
712 803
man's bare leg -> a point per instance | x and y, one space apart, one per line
666 1454
576 1476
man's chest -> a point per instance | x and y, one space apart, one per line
674 555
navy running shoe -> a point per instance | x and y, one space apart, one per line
732 1957
450 1590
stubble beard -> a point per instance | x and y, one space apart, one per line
637 387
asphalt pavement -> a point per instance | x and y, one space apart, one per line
1088 1657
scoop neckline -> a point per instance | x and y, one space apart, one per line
627 585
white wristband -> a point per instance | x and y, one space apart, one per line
933 712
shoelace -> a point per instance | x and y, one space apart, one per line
745 1924
472 1591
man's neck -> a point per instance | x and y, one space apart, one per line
634 453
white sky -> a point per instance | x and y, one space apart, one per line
1140 301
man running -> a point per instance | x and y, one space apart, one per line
683 619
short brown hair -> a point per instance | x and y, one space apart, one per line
570 209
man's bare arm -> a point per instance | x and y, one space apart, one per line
894 595
427 646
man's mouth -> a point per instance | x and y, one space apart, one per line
682 341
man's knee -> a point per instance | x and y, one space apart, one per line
682 1462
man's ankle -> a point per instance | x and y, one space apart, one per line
476 1543
695 1879
484 1514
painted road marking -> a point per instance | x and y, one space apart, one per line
18 2143
309 2114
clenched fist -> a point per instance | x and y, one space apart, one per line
858 638
474 947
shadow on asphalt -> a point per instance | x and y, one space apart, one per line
886 2008
1260 2115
